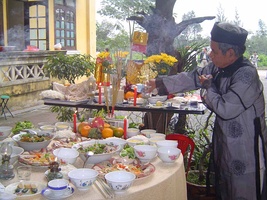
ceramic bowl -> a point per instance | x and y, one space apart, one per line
66 155
132 132
49 127
167 143
145 153
5 131
157 135
83 178
62 126
168 154
30 146
116 141
154 99
147 132
154 140
134 141
96 158
120 181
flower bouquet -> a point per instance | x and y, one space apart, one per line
161 63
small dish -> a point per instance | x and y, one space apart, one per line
47 193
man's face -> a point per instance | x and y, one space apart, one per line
217 57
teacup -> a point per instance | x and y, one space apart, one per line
58 186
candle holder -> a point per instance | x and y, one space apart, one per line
54 172
6 169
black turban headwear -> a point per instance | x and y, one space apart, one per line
221 35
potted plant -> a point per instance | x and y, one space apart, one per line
69 68
200 128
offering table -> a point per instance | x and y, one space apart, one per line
199 109
167 182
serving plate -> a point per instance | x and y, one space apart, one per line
41 159
155 106
12 189
116 164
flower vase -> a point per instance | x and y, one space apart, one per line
98 72
105 79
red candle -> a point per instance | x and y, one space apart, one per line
99 94
135 95
74 122
125 127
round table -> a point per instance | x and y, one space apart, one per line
167 182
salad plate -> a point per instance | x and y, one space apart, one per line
25 188
48 194
116 164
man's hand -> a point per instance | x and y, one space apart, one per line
205 80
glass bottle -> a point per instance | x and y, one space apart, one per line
6 169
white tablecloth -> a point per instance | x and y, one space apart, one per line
167 182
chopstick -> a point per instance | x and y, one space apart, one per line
104 188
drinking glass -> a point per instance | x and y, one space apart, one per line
145 94
24 173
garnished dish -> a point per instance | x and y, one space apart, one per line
135 167
25 189
98 148
27 137
37 158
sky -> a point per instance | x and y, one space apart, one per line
249 12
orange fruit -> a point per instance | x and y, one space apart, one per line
85 130
129 94
139 95
107 132
81 125
106 125
118 132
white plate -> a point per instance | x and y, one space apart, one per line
47 193
12 187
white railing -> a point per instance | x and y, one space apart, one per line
23 67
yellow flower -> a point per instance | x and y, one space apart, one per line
162 62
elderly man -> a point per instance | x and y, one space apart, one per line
231 88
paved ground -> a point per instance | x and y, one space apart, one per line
42 113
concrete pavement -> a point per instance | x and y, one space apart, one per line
41 113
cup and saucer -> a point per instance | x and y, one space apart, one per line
57 189
49 194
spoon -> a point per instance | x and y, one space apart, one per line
88 155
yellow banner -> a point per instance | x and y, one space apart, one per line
140 38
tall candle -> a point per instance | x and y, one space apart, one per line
74 122
99 94
125 122
135 95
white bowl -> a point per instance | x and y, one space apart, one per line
50 128
116 141
96 158
168 154
30 146
83 178
167 143
120 181
66 155
132 132
154 140
145 153
147 132
135 141
154 99
5 131
62 126
158 135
